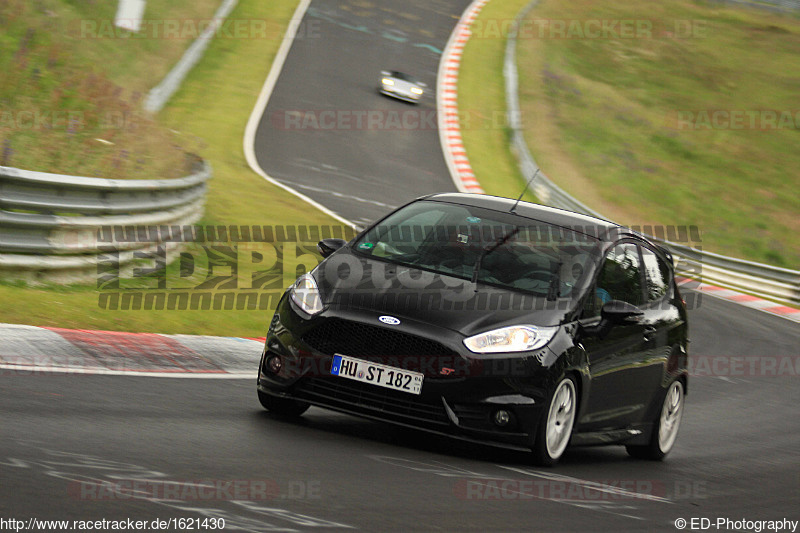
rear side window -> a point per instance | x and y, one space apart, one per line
657 275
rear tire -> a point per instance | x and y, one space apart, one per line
555 428
282 406
666 426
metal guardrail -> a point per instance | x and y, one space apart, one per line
159 95
49 223
774 283
766 281
784 6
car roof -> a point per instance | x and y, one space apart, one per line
603 229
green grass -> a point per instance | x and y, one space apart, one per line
70 93
213 106
603 118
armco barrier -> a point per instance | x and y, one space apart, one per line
159 95
49 222
783 6
766 281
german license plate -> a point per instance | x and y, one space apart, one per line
385 376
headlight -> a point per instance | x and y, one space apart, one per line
511 339
387 81
305 294
416 90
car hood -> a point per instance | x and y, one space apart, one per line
403 86
349 281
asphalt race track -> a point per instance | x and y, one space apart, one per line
329 134
93 447
736 455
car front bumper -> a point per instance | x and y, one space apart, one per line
461 404
400 95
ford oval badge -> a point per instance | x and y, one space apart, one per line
392 321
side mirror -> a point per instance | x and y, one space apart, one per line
613 313
619 312
327 246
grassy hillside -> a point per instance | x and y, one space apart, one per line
72 87
690 119
233 71
695 121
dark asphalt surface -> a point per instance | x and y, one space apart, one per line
329 134
73 447
736 455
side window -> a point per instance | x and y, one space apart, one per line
620 278
657 274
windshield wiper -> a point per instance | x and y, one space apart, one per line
500 242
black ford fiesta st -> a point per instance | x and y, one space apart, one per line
489 320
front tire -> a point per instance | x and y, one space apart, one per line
282 406
555 429
666 426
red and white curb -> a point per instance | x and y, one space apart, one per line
747 300
447 103
31 349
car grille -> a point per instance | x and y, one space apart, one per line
336 335
372 400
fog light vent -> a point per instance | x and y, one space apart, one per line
274 363
502 417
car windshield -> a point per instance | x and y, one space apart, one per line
402 76
486 246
